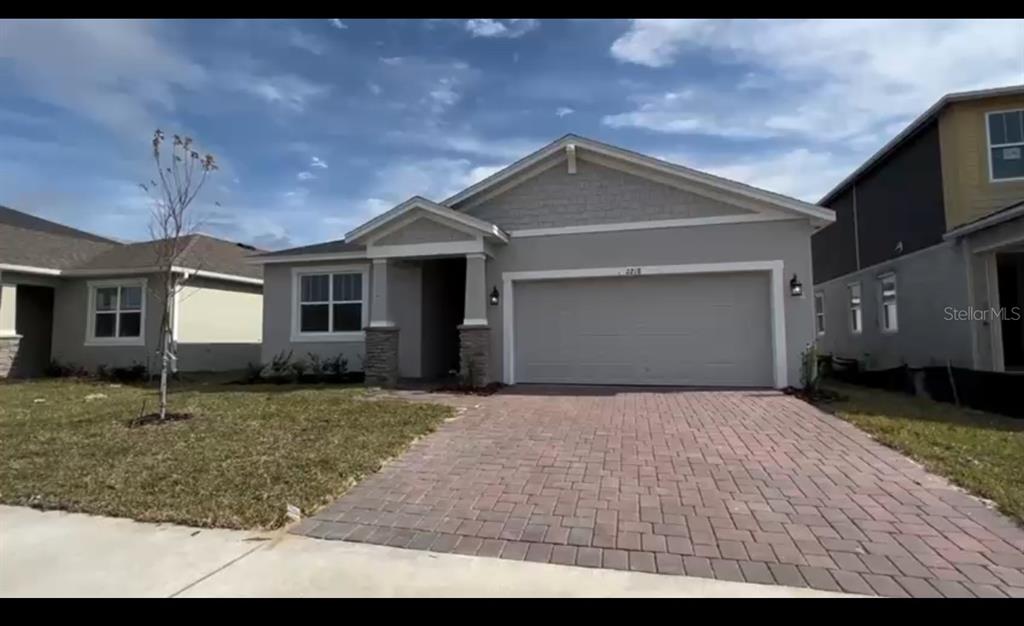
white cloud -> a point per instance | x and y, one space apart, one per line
374 88
563 111
817 80
288 91
466 142
430 84
335 22
318 162
305 176
799 173
122 74
656 42
510 29
306 41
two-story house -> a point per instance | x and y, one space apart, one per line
928 243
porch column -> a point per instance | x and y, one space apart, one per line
9 338
474 333
381 366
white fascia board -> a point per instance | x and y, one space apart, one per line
442 212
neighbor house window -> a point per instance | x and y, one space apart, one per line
330 303
819 313
856 317
1006 145
116 312
888 300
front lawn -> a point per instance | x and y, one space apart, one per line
250 449
982 452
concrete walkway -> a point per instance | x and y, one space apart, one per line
66 554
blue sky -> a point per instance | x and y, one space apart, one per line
321 124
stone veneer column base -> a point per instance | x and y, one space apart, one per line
475 355
8 355
381 366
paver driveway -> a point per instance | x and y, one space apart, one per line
752 486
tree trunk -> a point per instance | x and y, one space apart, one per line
165 342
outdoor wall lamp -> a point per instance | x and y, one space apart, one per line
795 287
494 296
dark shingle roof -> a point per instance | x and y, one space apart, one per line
200 252
29 240
328 247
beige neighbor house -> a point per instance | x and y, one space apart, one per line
580 263
84 300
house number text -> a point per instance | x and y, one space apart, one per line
633 271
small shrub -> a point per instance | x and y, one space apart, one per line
316 366
336 368
298 369
809 376
56 369
252 372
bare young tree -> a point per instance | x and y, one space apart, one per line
181 174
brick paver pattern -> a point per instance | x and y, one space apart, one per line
736 485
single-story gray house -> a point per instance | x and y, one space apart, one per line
580 263
80 299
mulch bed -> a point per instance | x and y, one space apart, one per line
469 390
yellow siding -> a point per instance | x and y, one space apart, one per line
208 314
967 191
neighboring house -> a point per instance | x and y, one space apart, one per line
580 263
81 299
928 238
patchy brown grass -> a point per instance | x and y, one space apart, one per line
247 451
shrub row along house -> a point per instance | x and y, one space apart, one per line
86 301
928 241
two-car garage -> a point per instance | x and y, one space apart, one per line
644 326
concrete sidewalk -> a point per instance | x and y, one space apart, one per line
66 554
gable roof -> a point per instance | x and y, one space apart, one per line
819 215
917 124
36 244
211 256
485 228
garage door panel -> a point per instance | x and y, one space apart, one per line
668 330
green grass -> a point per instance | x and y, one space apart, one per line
248 452
982 452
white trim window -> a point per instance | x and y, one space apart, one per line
819 313
329 304
1005 145
117 313
887 301
856 309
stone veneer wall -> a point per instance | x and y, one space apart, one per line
381 357
8 355
474 354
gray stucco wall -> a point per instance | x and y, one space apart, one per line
927 282
788 241
277 318
70 316
595 194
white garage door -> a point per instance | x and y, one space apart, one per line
690 329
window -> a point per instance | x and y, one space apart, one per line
329 303
888 300
116 312
819 313
855 309
1006 145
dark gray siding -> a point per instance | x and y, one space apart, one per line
898 200
901 200
832 248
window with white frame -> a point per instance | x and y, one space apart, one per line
819 313
116 312
1006 145
888 302
330 302
856 316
